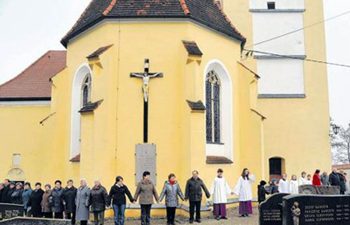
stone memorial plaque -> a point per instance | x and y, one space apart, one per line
319 190
270 211
146 160
8 211
316 210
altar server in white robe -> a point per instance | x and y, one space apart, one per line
294 185
283 185
220 190
244 190
302 179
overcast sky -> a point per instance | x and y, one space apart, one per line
30 28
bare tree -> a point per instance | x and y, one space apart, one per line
340 143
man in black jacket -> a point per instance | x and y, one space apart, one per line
334 179
69 194
194 194
5 198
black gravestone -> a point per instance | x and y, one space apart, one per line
319 190
270 211
316 210
8 211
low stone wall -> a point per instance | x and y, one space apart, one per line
33 221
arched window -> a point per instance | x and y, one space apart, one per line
213 107
86 90
218 96
81 95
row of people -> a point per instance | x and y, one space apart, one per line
292 186
76 203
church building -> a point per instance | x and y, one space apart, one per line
167 86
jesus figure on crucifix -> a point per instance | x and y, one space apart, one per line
146 76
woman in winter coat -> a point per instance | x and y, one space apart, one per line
172 192
244 190
46 203
16 196
316 179
26 197
82 202
11 189
57 200
118 200
146 190
99 201
69 195
35 200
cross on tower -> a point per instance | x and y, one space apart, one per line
146 77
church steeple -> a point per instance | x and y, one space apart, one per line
207 13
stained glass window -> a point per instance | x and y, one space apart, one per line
213 107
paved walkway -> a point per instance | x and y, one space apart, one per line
232 215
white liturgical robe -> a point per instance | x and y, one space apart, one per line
283 186
220 190
244 189
302 181
294 187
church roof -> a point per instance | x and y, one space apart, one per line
205 12
34 82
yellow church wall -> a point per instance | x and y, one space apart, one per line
295 129
170 118
22 134
301 135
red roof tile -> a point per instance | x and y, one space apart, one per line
34 82
206 12
342 167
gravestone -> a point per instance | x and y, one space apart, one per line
270 211
146 160
8 211
319 190
316 210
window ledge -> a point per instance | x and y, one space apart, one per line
277 10
75 159
218 160
215 143
281 96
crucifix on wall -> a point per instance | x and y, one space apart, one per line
146 77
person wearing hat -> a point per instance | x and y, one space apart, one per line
69 195
46 202
220 190
35 200
146 191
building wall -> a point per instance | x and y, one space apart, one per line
21 133
296 129
110 133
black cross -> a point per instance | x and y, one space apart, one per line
146 77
